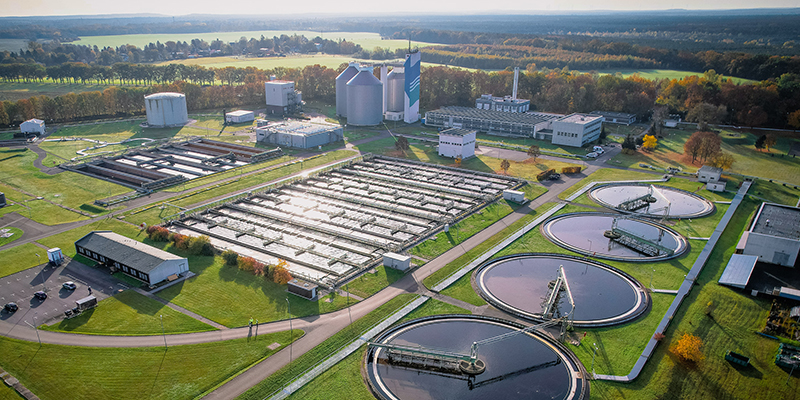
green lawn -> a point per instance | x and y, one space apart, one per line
370 283
231 297
66 240
152 214
459 262
339 340
16 233
129 313
20 258
740 144
182 372
652 74
527 142
471 225
13 91
66 188
345 376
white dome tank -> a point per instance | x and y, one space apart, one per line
341 89
395 98
166 109
364 99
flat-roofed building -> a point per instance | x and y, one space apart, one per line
774 235
239 116
709 174
33 125
282 98
576 130
456 142
616 117
297 134
504 104
490 121
138 260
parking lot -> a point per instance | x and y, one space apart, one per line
20 287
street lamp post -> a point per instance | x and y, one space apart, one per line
162 331
36 328
291 331
594 354
653 272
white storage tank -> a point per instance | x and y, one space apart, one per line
364 99
394 91
166 109
341 88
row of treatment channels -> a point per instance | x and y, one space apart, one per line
333 226
470 357
149 169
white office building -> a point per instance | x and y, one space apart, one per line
456 142
576 130
282 98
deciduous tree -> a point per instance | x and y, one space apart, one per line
650 142
688 348
770 141
721 160
534 151
505 165
401 143
280 273
760 142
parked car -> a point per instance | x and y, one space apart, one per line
11 307
554 177
598 149
592 155
40 295
69 285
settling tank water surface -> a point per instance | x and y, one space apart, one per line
519 284
682 204
522 367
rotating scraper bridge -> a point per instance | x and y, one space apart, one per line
338 223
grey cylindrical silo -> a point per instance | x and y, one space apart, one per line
341 89
394 96
364 99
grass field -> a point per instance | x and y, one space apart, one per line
345 377
57 372
129 313
13 91
370 283
20 258
340 339
775 164
662 74
367 40
231 297
67 188
16 233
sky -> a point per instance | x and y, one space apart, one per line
262 7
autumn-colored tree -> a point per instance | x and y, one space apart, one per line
721 160
246 263
458 161
259 268
534 151
280 273
505 165
157 233
660 114
688 348
200 246
692 146
402 143
710 145
649 142
793 120
770 142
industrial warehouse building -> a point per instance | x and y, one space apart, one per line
166 109
302 135
616 117
35 126
239 117
534 125
576 130
456 143
138 260
774 235
282 98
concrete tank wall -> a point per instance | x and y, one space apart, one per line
364 99
341 89
166 109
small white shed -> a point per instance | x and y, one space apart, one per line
514 195
239 116
32 126
397 261
716 186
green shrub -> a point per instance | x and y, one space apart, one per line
231 257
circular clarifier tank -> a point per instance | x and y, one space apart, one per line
521 366
654 200
614 237
520 283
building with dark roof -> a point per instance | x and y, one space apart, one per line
616 117
774 235
138 260
489 121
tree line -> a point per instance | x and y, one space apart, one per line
706 99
